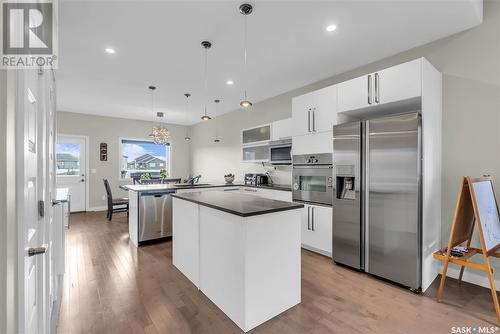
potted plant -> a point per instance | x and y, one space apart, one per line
146 176
163 175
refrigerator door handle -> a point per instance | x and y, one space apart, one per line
369 89
377 88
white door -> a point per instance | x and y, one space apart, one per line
32 203
399 82
354 94
325 108
301 114
70 169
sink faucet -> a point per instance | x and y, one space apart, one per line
194 179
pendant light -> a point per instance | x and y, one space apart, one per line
159 134
187 95
206 45
246 9
216 140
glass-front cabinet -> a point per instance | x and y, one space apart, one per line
258 153
256 135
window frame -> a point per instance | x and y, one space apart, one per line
120 150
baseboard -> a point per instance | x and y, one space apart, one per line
316 250
97 208
472 276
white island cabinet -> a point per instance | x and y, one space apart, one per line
241 251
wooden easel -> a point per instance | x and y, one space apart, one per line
467 215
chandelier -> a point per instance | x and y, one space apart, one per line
159 134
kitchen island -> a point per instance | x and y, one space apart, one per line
241 251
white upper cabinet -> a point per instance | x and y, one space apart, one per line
281 129
314 112
301 114
355 94
324 112
393 84
398 83
321 142
257 135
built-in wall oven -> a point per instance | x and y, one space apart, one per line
313 178
280 152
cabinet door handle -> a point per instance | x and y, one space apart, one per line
377 89
369 89
308 217
314 120
312 218
309 120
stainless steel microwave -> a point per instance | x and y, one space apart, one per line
280 152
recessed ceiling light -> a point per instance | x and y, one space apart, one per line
229 82
331 27
110 50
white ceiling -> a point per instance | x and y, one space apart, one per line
158 42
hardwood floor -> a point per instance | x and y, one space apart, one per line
112 287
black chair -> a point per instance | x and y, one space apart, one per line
114 205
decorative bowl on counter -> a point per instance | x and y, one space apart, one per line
229 178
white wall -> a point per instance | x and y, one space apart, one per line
470 63
108 130
213 160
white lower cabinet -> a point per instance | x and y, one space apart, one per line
317 229
313 144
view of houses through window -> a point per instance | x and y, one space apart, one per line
140 156
67 159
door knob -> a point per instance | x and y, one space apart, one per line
37 250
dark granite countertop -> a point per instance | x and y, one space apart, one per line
283 187
160 187
238 204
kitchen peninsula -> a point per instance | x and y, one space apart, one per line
241 251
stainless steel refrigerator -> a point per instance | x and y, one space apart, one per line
377 197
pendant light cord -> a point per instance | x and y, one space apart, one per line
245 54
206 79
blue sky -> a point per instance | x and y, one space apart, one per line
73 149
134 149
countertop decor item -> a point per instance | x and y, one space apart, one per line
229 178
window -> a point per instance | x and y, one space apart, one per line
141 156
67 159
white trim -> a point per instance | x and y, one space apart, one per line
87 165
120 178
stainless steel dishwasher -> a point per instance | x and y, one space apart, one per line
155 215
